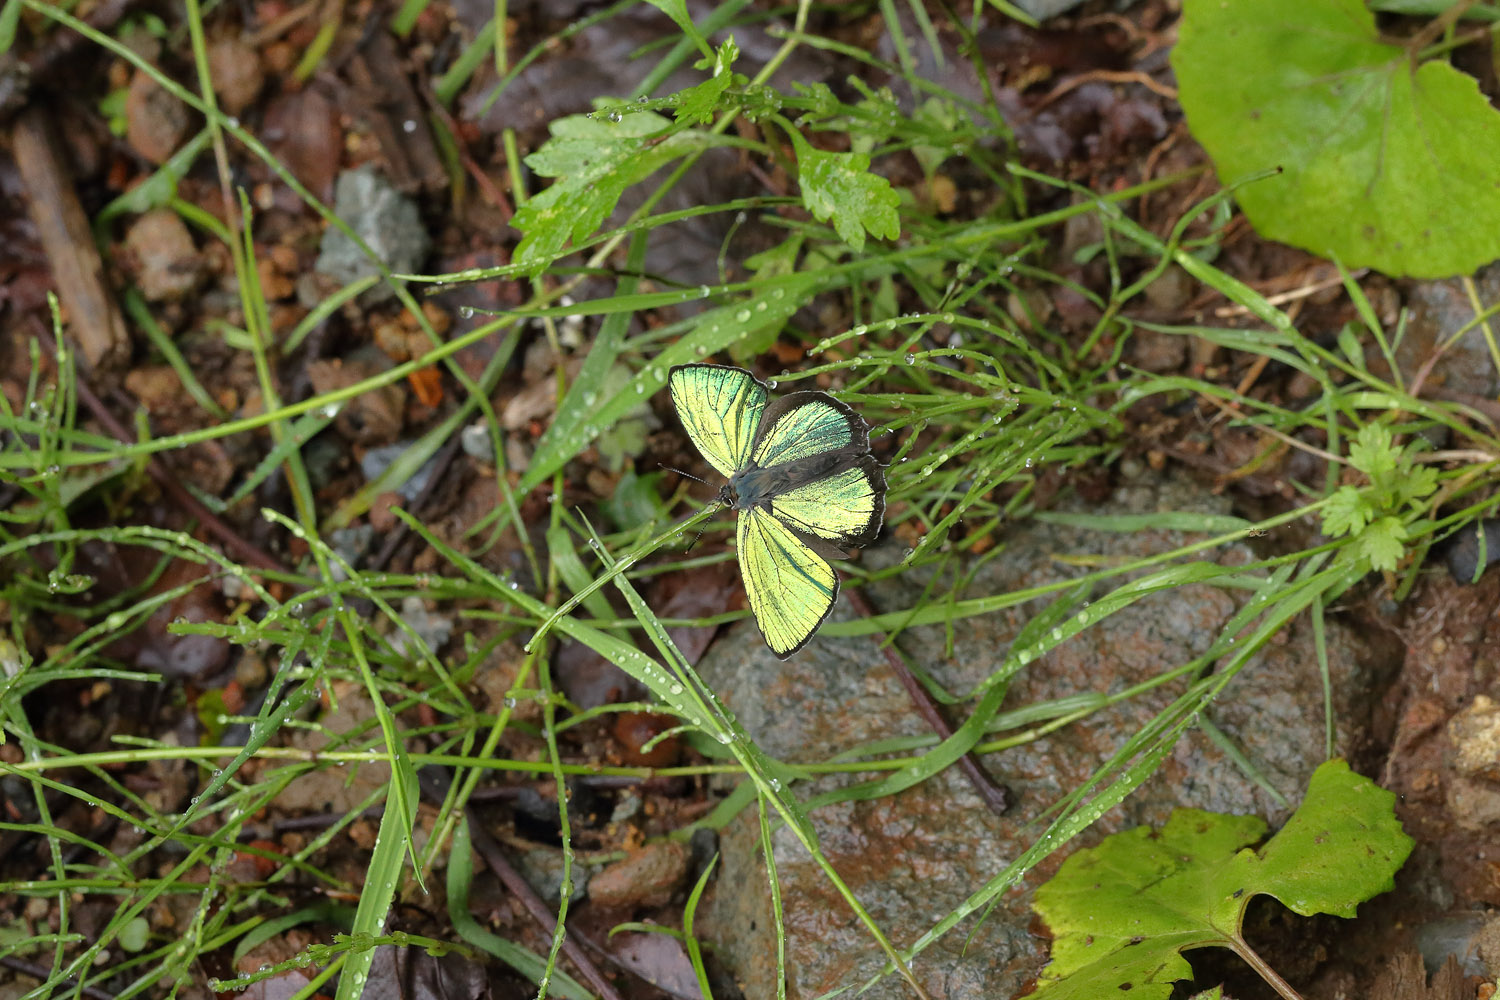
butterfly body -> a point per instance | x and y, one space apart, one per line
800 472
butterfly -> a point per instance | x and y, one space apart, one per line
801 475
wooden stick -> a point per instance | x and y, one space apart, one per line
94 321
994 795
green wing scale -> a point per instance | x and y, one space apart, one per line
802 477
790 587
844 508
804 424
721 410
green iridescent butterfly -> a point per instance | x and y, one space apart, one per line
802 477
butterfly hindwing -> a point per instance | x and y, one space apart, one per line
790 586
845 507
802 424
722 409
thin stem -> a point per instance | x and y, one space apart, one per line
619 567
1281 986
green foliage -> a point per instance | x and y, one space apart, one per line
839 186
1384 163
1122 913
10 19
778 261
698 104
595 158
974 408
1377 515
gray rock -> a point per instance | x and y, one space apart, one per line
385 219
912 858
543 868
1043 10
433 630
1439 309
377 460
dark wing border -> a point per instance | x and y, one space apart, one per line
875 473
859 431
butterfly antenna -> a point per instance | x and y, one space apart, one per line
700 531
688 475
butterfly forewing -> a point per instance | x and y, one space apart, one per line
791 588
845 507
803 424
721 409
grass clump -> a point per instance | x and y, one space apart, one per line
978 404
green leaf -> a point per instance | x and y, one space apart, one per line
1346 513
1340 848
1383 543
1416 481
839 186
698 105
636 500
1384 164
713 331
596 159
778 260
1372 452
678 12
10 19
1122 913
379 890
524 961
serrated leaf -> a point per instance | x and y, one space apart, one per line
1383 164
1372 452
1383 543
840 187
1416 481
1122 913
595 159
1346 513
698 105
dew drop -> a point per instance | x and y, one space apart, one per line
911 359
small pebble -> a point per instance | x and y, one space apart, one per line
167 264
649 877
155 121
234 66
